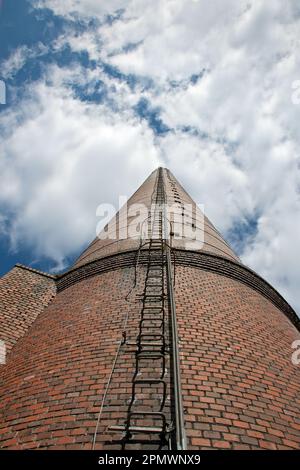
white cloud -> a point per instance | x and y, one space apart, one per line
89 8
19 57
15 62
174 37
211 178
63 158
274 252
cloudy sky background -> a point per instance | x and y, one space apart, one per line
99 93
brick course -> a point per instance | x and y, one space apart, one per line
240 388
54 379
24 293
236 365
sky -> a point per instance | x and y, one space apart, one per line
100 93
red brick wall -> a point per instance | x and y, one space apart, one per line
54 379
240 388
24 293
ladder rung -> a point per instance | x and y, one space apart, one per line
149 317
150 354
150 335
144 345
149 381
149 323
152 318
154 285
154 291
146 329
153 296
152 307
138 429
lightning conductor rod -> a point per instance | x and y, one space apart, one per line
179 413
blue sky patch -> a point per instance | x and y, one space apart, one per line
242 232
151 114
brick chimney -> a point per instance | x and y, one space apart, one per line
157 337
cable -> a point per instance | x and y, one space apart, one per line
121 342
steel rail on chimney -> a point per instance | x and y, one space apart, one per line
178 405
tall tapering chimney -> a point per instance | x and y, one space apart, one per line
156 338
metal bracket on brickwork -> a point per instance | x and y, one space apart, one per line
181 443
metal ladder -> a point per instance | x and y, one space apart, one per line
152 349
153 416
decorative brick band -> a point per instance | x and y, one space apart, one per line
203 261
240 273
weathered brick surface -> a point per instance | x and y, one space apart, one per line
116 241
24 293
176 197
205 261
240 387
183 204
53 383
